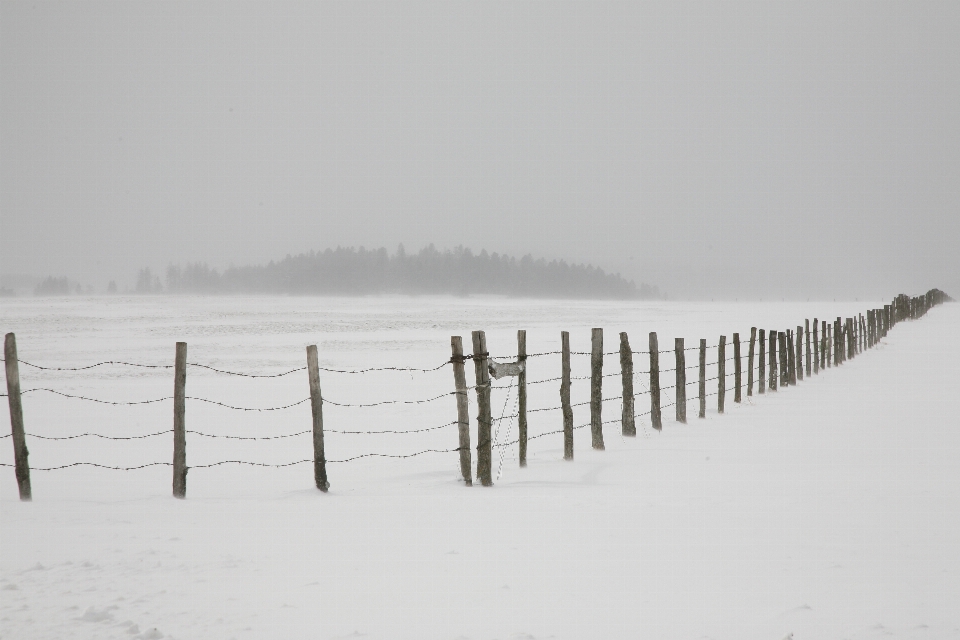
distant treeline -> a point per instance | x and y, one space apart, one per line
349 271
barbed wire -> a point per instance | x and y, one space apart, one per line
99 364
77 397
241 462
234 373
245 375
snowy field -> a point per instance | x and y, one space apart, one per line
826 510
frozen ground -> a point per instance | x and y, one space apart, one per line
828 510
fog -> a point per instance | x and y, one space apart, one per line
716 150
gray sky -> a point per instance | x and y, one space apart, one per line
721 149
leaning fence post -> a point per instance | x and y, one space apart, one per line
772 352
736 367
596 388
522 394
463 412
816 348
316 408
806 324
565 395
484 445
179 428
721 373
20 452
762 363
703 378
627 422
753 339
655 419
681 375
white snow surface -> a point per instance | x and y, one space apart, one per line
826 510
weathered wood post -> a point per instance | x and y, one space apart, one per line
807 330
827 342
522 394
772 352
179 428
316 407
753 339
484 443
565 395
721 372
816 347
655 419
791 360
681 383
736 368
762 364
627 421
799 360
703 378
463 412
784 358
596 388
837 351
851 343
20 453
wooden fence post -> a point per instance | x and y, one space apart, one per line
316 408
179 428
816 347
565 395
736 368
806 324
836 342
484 444
827 352
772 353
851 340
703 378
784 358
799 361
721 372
655 419
628 423
20 453
522 394
791 360
463 413
596 388
762 364
681 359
753 339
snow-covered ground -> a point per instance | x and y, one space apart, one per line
826 510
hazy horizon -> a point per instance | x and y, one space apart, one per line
715 150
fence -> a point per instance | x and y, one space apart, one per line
778 358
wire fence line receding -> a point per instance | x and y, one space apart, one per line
780 359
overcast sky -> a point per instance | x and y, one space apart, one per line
716 149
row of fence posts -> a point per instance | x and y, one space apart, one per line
835 344
798 353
